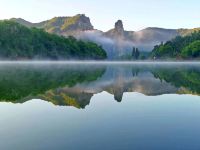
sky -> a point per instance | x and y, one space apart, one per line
135 14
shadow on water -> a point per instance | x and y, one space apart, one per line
75 84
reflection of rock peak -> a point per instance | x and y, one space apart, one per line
118 96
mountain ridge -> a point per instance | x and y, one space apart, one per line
59 25
117 41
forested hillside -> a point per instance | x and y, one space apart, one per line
187 47
20 42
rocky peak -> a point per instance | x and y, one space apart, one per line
119 26
82 22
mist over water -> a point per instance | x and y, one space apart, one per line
186 62
113 47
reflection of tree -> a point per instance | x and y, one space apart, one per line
188 78
19 82
135 71
140 69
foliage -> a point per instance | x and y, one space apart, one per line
135 53
180 47
20 42
192 50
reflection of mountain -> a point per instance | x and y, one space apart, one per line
67 97
74 85
20 81
120 79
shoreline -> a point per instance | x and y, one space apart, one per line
97 62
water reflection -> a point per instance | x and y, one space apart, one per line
75 85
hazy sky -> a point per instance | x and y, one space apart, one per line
136 14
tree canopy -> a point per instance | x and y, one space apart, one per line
135 53
185 47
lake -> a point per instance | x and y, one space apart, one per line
95 106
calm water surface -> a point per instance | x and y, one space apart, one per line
99 106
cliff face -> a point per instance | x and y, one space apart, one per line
117 32
122 40
61 25
68 25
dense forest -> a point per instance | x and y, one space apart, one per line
18 42
185 47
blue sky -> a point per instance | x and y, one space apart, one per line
136 14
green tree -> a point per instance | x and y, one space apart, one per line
135 53
179 47
192 50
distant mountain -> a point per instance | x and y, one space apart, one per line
22 22
145 39
117 42
61 25
186 32
152 36
145 36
